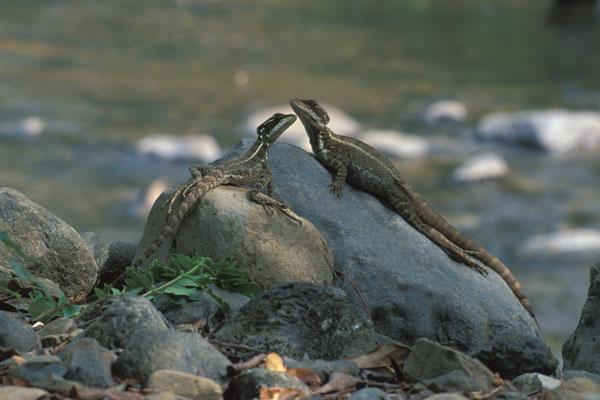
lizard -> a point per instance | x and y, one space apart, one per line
366 169
248 169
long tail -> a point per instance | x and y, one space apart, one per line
195 190
473 249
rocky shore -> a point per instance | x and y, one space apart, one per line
398 320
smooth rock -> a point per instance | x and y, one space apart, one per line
57 326
145 197
446 369
29 127
556 131
445 111
45 372
447 396
574 373
481 167
272 249
197 148
300 320
575 389
411 286
340 123
17 334
88 363
150 351
111 258
163 396
566 241
535 382
396 144
114 320
53 249
246 385
369 394
185 385
582 350
21 393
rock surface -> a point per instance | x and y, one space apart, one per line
534 382
185 385
16 334
111 258
445 111
112 321
566 241
300 320
444 369
246 386
396 144
88 363
556 131
271 249
53 249
412 288
196 148
21 393
581 350
481 167
150 351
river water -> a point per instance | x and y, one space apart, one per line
101 75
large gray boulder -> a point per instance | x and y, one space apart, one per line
582 350
53 249
272 249
411 286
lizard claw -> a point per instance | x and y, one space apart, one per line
336 188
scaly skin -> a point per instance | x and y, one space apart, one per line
368 170
249 169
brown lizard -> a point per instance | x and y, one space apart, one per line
248 169
368 170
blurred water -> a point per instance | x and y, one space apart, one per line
104 74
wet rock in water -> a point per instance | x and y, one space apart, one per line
444 369
272 249
17 334
114 320
53 249
411 286
186 385
300 320
150 351
145 197
29 127
340 123
567 241
481 167
88 363
534 382
22 393
196 148
396 144
445 111
582 350
556 131
369 394
247 385
111 258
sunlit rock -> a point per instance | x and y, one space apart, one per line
564 241
555 131
26 128
145 198
396 144
200 148
481 167
445 111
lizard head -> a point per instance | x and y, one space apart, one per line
311 113
270 130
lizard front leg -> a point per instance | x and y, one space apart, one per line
267 201
340 173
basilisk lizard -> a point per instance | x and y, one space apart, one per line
368 170
248 169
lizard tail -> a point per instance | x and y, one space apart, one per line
190 198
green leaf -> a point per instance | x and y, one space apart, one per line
21 272
71 311
43 306
180 291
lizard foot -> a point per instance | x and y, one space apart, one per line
269 203
336 188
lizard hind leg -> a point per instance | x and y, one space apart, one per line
269 203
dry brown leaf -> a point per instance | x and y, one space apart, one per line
338 382
18 360
380 357
308 376
277 393
254 362
274 362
